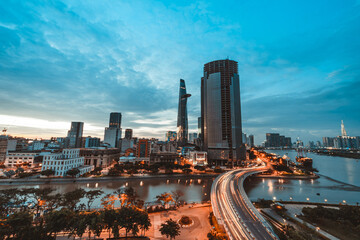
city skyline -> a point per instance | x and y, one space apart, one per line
112 60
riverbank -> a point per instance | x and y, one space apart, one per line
295 177
32 181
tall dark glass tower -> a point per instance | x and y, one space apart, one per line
74 137
115 120
221 113
182 122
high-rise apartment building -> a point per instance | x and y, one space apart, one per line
221 113
112 134
128 133
143 148
182 121
74 137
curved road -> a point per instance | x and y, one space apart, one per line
233 209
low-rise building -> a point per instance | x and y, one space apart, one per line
64 161
198 158
164 158
14 159
100 157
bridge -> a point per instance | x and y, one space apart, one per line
233 209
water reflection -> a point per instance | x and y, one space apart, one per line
147 190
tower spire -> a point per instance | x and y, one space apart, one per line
343 131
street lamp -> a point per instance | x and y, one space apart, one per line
307 199
325 200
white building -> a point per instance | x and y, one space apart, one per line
17 158
198 158
63 162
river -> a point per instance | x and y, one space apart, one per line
339 181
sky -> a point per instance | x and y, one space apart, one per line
63 61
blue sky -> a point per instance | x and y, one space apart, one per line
63 61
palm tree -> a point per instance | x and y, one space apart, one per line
170 229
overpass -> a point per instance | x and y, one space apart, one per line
233 209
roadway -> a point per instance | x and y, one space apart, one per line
234 210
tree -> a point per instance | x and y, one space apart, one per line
48 172
95 223
200 168
57 221
109 219
17 225
165 198
97 170
187 170
170 229
127 219
73 172
91 196
53 201
177 194
71 199
108 201
143 220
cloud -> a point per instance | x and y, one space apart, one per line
78 60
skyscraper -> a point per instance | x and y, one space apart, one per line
343 131
112 134
74 137
128 133
221 113
182 121
115 120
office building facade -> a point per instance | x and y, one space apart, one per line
128 133
74 137
221 113
112 135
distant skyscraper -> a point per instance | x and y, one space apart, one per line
115 120
112 134
74 137
128 133
251 141
192 137
182 121
221 113
343 131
